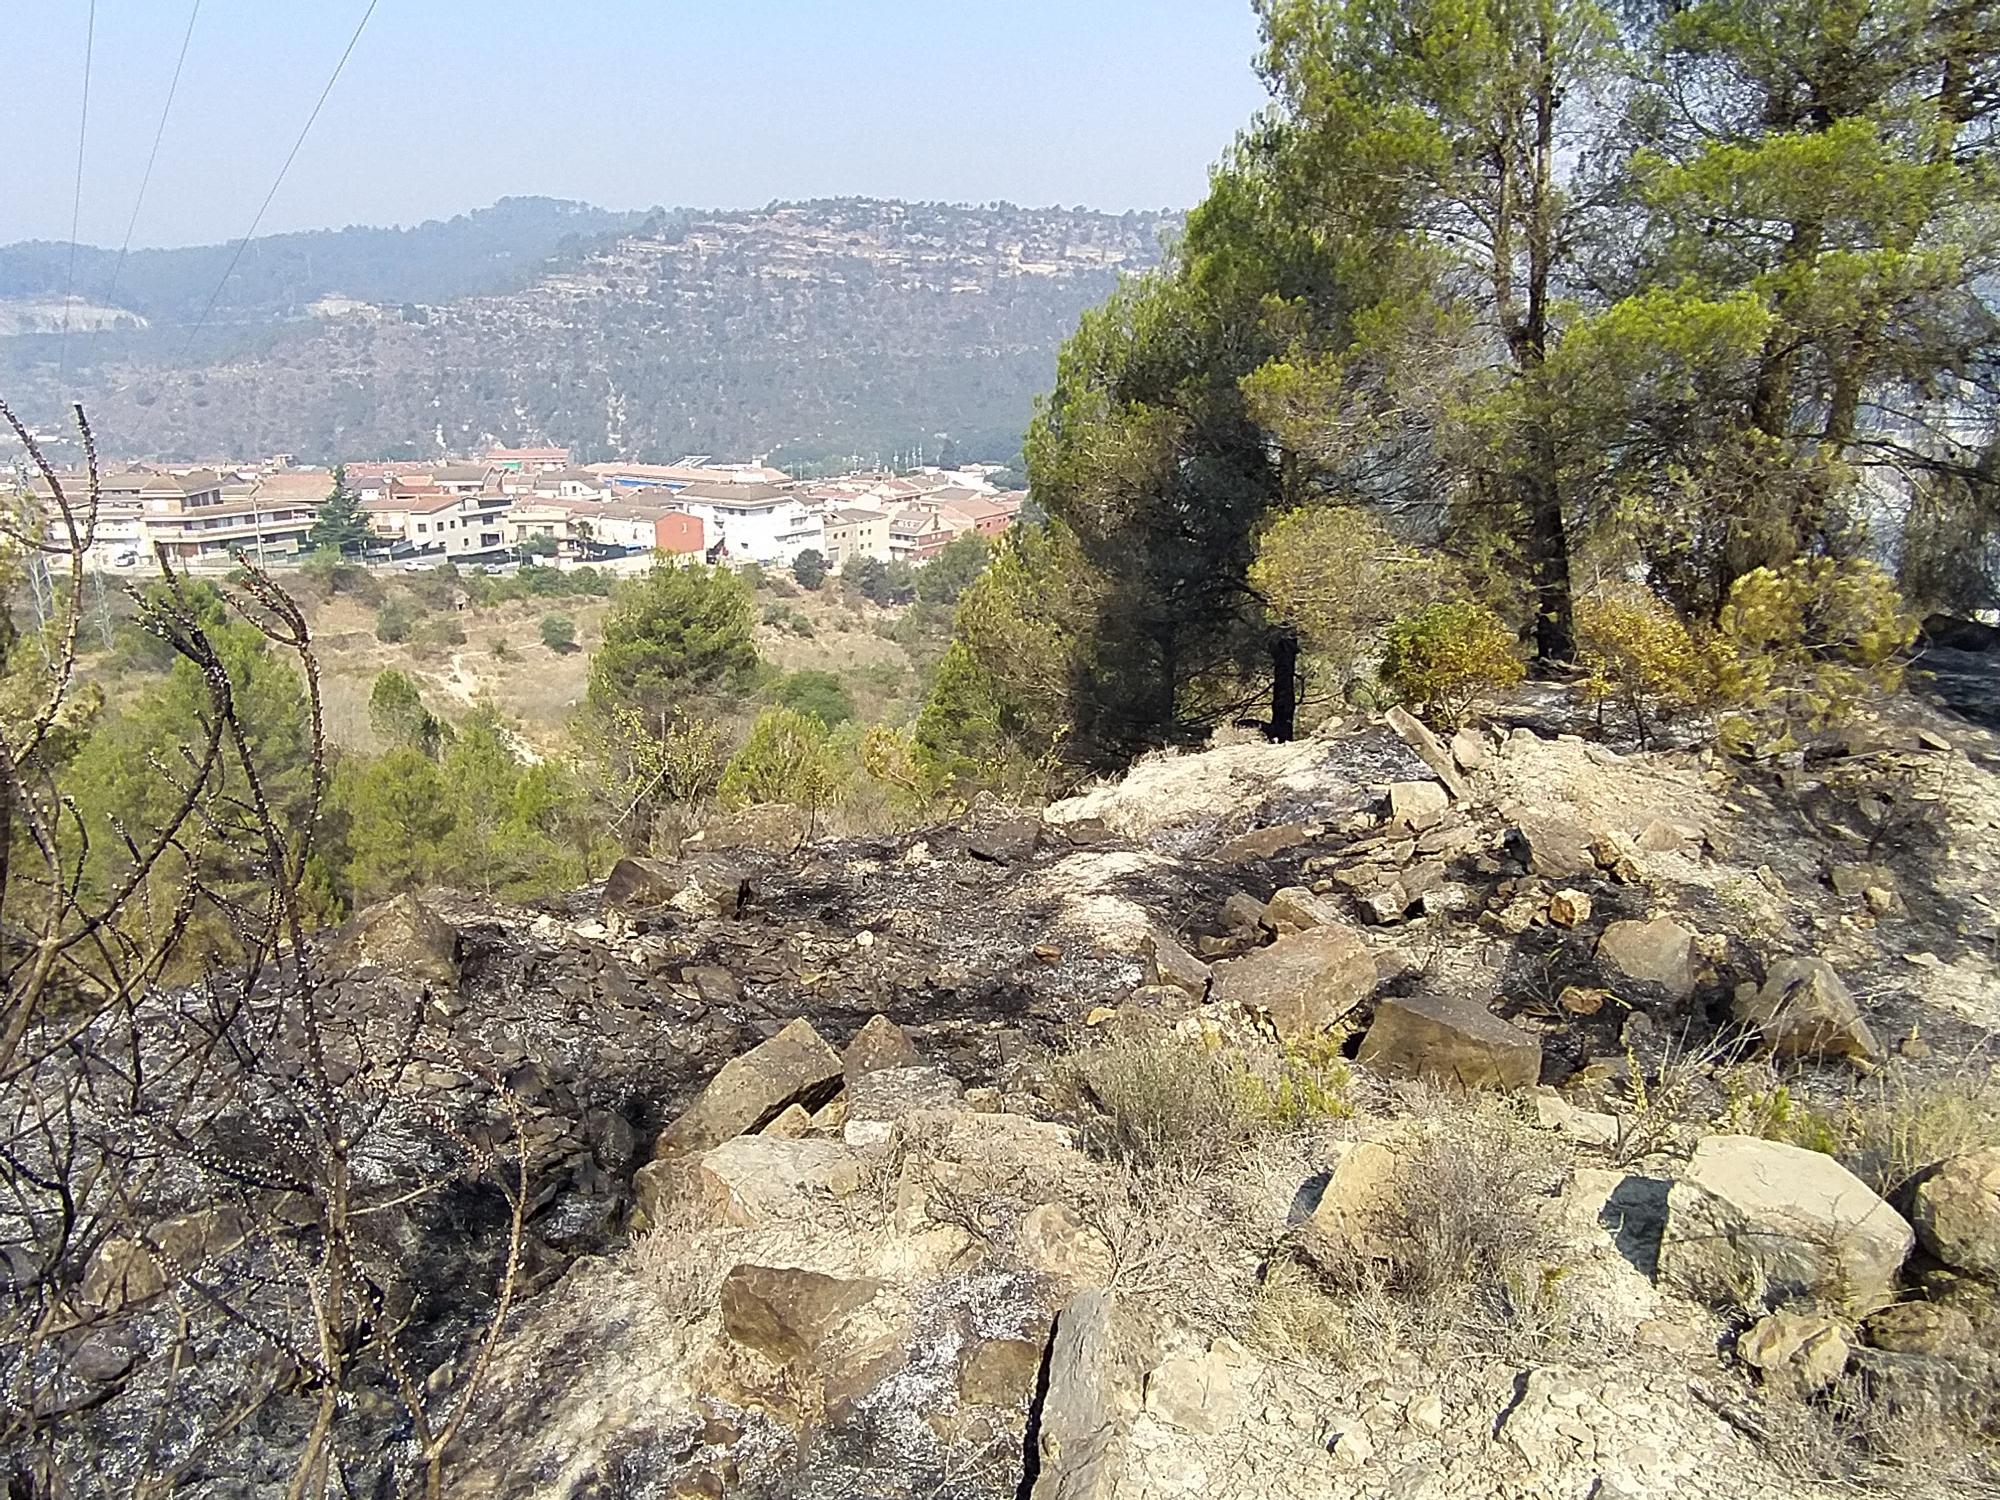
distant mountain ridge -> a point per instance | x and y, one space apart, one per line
811 329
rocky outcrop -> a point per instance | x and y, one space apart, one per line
793 1067
1760 1221
1304 982
1082 1439
1658 952
403 936
880 1043
787 1314
1451 1040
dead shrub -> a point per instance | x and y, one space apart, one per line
1856 1435
1168 1103
1903 1124
683 1260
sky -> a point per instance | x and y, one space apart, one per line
447 105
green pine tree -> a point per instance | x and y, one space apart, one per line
340 526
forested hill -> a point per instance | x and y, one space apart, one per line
811 330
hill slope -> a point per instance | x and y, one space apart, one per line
847 326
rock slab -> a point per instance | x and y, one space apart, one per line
793 1067
1450 1040
1804 1010
1304 982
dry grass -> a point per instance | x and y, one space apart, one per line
1855 1436
684 1260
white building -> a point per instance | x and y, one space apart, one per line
754 522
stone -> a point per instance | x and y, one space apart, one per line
1295 908
1057 1243
1195 1392
749 1181
403 936
1764 1222
1957 1212
1304 982
786 1314
1551 848
636 883
1662 837
1799 1353
1451 1040
128 1270
1469 748
1348 1219
793 1067
1242 912
792 1123
1804 1010
1587 1127
1005 844
1168 963
1384 907
1082 1435
1581 1000
1569 908
776 827
1919 1328
1659 952
999 1372
878 1099
1850 880
880 1043
1354 1447
1416 805
1428 750
1262 843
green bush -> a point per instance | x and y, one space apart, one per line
1641 656
820 694
1442 659
809 568
787 758
559 633
438 633
396 620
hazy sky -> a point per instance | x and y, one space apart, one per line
447 105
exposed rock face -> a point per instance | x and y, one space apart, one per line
1262 843
636 882
1305 981
1957 1212
1551 848
786 1314
1416 805
877 1099
1451 1040
406 937
1803 1010
754 1179
1198 1392
1168 963
793 1067
1659 952
1768 1222
1920 1328
1083 1440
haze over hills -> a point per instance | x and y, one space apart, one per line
809 330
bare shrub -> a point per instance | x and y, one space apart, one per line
1169 1103
683 1260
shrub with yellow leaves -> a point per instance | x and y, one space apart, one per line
1442 659
1641 656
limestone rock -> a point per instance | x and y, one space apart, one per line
1262 843
1416 805
752 1180
1057 1243
1451 1040
999 1372
1427 749
1005 844
1195 1392
1662 837
1569 908
1587 1127
1761 1221
1957 1212
1551 848
127 1270
1386 906
793 1067
880 1043
1295 908
1082 1434
1920 1328
405 937
1242 912
636 882
1347 1221
1304 982
1803 1010
1801 1353
1469 749
878 1099
1850 880
786 1314
1168 963
1658 952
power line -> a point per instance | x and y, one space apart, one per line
244 243
158 135
76 203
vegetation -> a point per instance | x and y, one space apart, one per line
677 631
1442 659
788 758
340 527
558 633
809 568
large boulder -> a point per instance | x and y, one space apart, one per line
793 1067
1416 804
786 1314
878 1099
1082 1436
1659 952
751 1180
1304 982
1551 848
1762 1222
1957 1212
405 937
1451 1040
1348 1221
1803 1010
637 882
1168 963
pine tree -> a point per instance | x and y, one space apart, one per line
340 526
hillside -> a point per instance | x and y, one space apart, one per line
810 329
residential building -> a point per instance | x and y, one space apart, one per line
431 519
986 514
595 528
917 535
627 476
117 540
192 520
753 522
527 460
855 533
